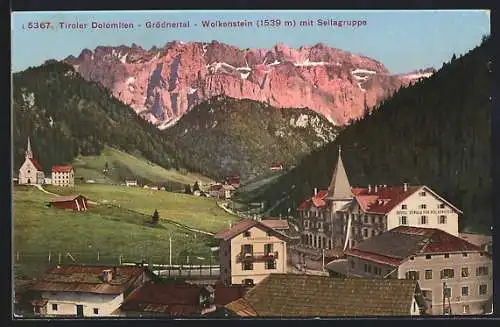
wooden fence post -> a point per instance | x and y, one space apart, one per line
97 255
49 256
17 256
120 259
59 257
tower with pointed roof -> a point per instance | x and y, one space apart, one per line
339 191
30 172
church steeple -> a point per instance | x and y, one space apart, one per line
29 154
339 188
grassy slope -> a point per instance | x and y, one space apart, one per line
197 212
111 231
122 165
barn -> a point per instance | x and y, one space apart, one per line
72 202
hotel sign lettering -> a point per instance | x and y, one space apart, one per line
424 212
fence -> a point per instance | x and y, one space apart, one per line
32 264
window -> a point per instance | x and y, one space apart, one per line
447 292
96 311
247 250
246 234
270 264
54 307
365 219
442 219
377 271
29 171
466 308
403 220
428 256
447 273
446 255
465 272
428 274
422 193
403 207
483 289
247 281
352 264
482 271
247 265
465 290
423 220
412 258
268 248
365 232
464 254
373 220
306 223
423 206
441 206
413 275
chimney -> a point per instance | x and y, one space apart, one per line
107 275
405 187
376 189
369 188
315 191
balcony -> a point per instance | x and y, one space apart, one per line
256 256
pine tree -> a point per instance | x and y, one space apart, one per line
196 186
156 217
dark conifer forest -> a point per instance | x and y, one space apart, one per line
436 132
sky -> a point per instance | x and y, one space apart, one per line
402 40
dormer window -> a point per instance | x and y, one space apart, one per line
404 206
441 206
423 206
423 193
246 234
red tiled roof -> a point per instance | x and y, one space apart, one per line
439 240
86 279
373 257
36 164
384 200
178 298
62 168
65 198
245 225
318 201
276 223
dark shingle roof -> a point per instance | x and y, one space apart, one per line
395 245
310 296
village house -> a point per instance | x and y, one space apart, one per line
86 291
221 191
344 216
179 299
455 276
30 172
131 182
63 175
70 202
293 295
249 251
276 167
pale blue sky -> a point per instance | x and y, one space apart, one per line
401 40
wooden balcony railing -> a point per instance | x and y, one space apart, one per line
256 256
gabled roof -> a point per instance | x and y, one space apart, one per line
86 279
318 201
339 188
387 198
293 295
62 168
65 198
398 244
245 225
276 223
36 164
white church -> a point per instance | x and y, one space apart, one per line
31 172
343 216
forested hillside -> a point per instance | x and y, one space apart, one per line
225 136
437 133
66 116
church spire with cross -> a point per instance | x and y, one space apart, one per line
339 188
29 154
